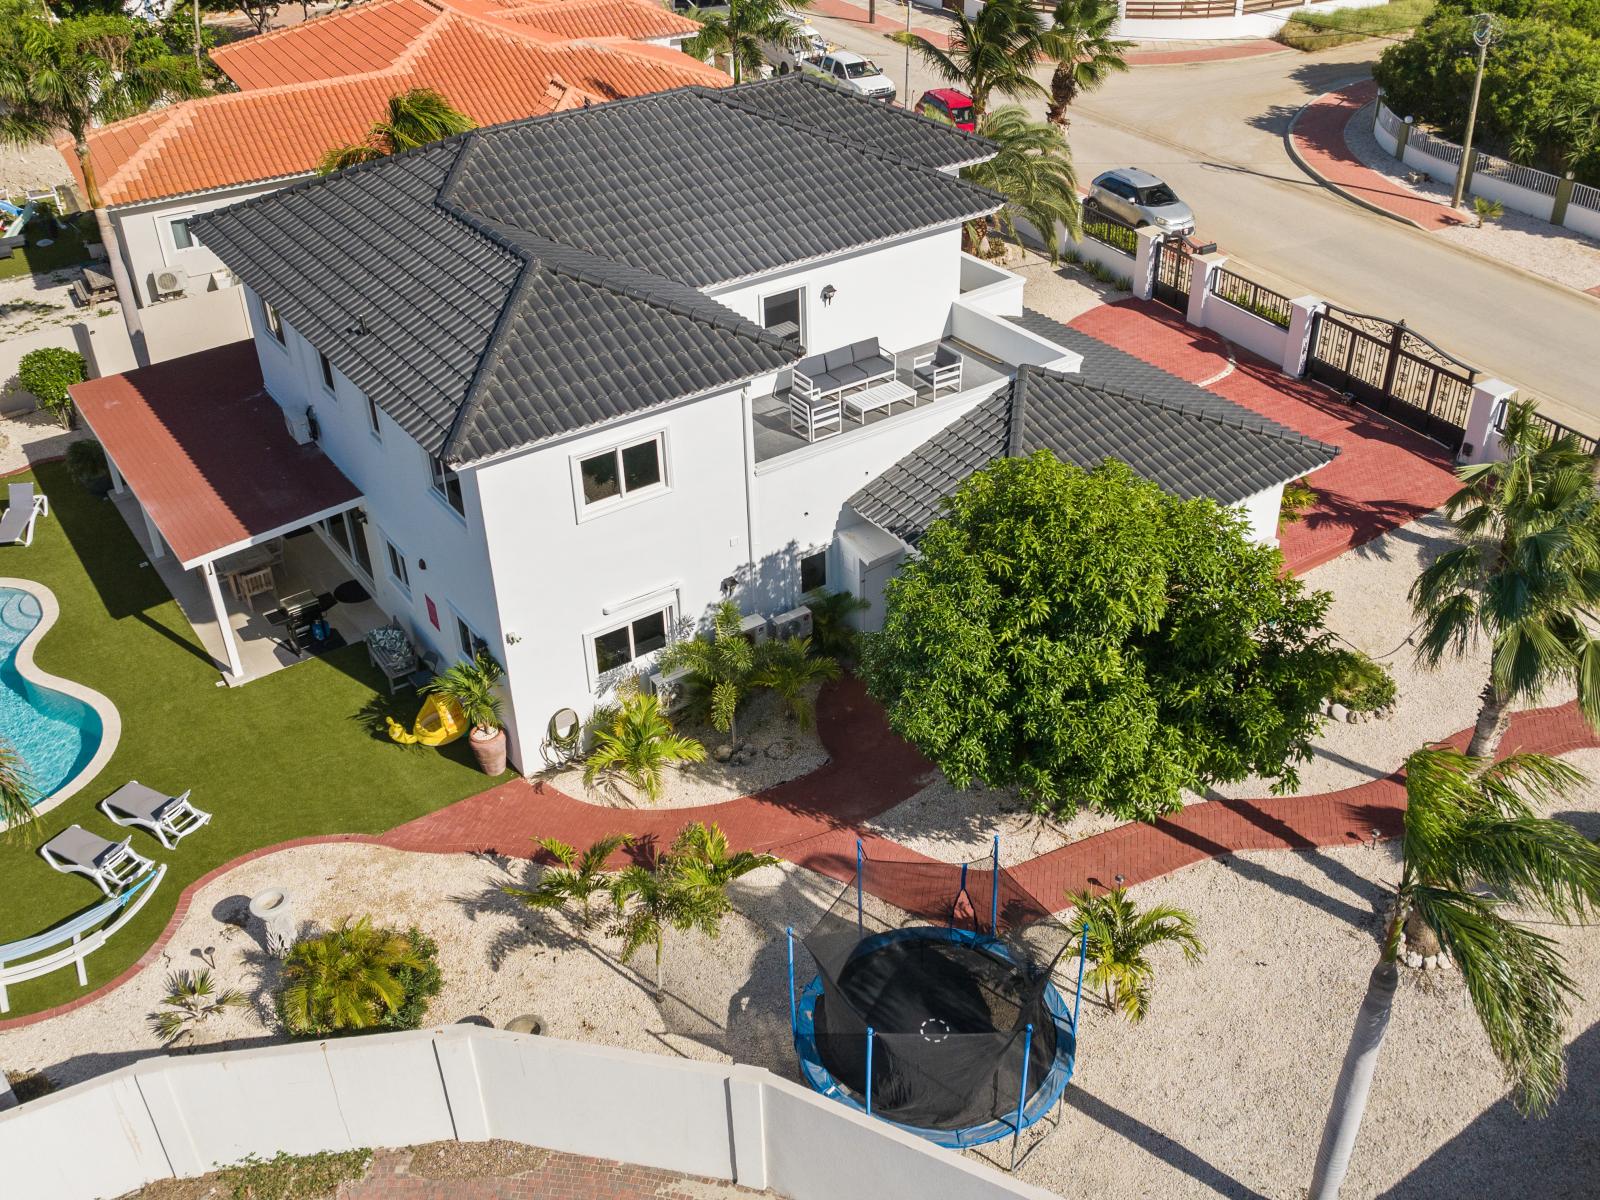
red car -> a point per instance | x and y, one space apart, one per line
949 106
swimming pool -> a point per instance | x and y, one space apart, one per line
55 734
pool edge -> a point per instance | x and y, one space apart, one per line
110 717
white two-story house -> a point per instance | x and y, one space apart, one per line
593 372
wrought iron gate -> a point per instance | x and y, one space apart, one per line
1392 370
1174 274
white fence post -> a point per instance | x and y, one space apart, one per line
1200 286
1144 262
1481 442
1302 314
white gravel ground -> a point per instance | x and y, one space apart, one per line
1062 292
1518 239
33 436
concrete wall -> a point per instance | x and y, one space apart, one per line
179 1117
1261 510
103 342
199 321
1240 25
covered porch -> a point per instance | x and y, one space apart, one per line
232 509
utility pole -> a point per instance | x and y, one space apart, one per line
905 100
1485 32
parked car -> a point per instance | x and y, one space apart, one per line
1139 198
805 44
850 70
950 106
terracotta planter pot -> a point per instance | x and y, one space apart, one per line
489 751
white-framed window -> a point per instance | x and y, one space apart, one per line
447 485
183 236
632 640
398 570
327 372
471 644
274 321
372 419
611 476
814 571
785 313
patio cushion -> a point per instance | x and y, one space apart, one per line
876 365
866 348
812 366
838 358
77 845
825 383
848 375
137 800
15 524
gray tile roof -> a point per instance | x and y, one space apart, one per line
1189 449
537 278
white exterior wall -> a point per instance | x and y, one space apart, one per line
394 476
1261 510
899 292
1240 25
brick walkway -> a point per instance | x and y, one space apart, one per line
1316 139
1385 475
1203 54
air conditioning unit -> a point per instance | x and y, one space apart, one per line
796 623
668 688
303 425
169 284
755 629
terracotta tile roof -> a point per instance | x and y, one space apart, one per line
207 451
490 73
638 20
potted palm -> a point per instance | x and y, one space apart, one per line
472 686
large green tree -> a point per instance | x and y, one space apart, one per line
1523 575
1096 641
1086 54
1475 855
81 72
741 29
993 52
1032 169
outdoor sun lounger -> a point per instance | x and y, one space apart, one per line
170 818
24 506
112 865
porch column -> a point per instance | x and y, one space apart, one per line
235 667
157 547
117 485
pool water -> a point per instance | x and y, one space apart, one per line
54 734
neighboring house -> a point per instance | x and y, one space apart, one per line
313 86
554 361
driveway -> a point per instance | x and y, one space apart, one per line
1215 131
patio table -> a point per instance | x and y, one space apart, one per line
882 396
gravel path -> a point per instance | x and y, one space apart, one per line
1518 239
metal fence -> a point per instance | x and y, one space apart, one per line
1435 147
1109 230
1585 196
1252 297
1390 123
1144 10
1531 178
1554 428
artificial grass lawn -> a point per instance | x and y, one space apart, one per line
291 755
67 250
1322 31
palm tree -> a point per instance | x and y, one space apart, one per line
1087 54
720 668
17 795
1120 939
789 668
992 52
648 901
81 72
1032 169
1524 572
1473 849
192 999
472 686
636 744
347 978
580 877
740 30
416 117
703 863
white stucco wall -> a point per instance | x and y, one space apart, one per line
1261 510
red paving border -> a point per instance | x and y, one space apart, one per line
1316 140
1203 54
1385 474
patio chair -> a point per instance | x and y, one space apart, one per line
112 865
250 584
814 414
939 369
24 507
170 818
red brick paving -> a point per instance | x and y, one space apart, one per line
1201 54
1317 138
559 1177
1385 475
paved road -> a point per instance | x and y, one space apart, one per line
1215 132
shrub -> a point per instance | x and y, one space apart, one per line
358 976
789 668
1298 498
29 1085
86 463
1360 684
48 372
636 744
1120 938
287 1176
1322 31
832 635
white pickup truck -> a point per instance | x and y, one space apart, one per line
804 43
850 70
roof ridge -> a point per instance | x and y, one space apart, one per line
1014 413
164 128
1186 409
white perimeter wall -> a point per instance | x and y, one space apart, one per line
183 1116
1251 25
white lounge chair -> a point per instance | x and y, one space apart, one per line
112 865
24 507
170 818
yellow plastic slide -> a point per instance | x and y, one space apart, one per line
439 722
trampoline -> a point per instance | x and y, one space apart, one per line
933 1007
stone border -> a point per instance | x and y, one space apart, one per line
110 718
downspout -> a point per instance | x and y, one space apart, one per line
747 408
127 297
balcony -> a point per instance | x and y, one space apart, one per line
776 436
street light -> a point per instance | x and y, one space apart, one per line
1485 32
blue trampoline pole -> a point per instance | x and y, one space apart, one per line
994 892
1083 953
960 891
869 1070
794 1021
859 923
1022 1092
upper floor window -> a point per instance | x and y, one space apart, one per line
448 484
471 644
274 321
814 571
640 636
622 471
327 370
372 419
784 313
183 237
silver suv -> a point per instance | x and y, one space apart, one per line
1139 198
